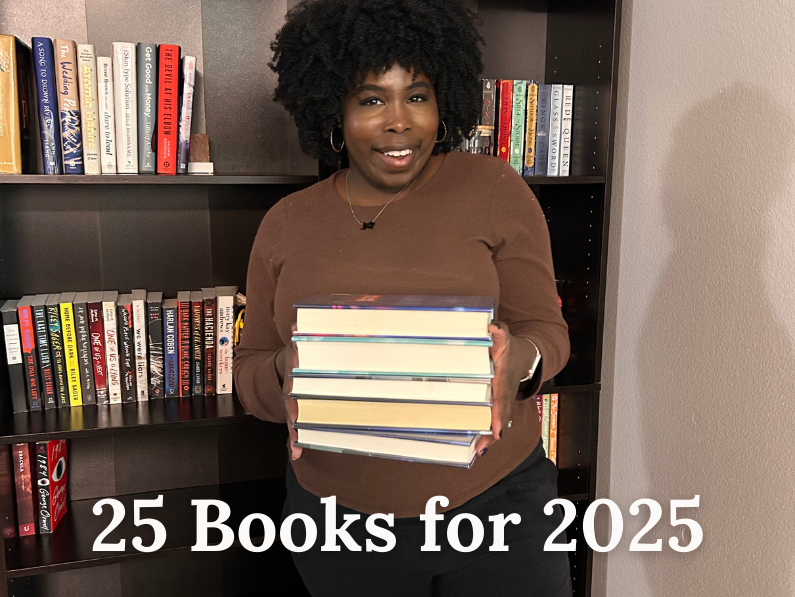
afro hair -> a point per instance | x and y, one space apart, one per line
326 48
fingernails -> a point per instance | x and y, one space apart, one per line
292 456
496 324
501 432
483 451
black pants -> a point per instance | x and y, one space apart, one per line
524 570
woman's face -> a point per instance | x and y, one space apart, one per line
390 125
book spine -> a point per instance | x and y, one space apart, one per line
89 114
56 480
185 113
545 424
84 355
565 129
69 107
10 133
553 168
209 346
223 346
58 355
147 106
553 428
98 359
46 95
184 348
155 328
47 393
168 100
7 515
124 91
28 338
139 337
72 361
530 129
506 109
15 361
518 117
112 352
171 356
43 486
107 120
26 498
542 130
126 353
197 349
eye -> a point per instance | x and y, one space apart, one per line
370 101
421 98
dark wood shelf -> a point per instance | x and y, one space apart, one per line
149 179
565 179
115 418
572 389
71 546
576 497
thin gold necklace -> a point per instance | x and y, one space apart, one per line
371 223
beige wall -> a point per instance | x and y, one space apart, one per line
699 370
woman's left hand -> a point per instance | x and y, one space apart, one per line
509 368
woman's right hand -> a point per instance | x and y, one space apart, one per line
286 361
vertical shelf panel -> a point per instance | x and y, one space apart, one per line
575 457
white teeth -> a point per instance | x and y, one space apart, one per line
397 154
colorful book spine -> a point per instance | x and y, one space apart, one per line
89 113
147 106
15 106
518 117
46 375
556 105
84 355
24 461
112 366
58 352
167 108
16 372
155 329
51 477
124 90
140 341
565 129
47 99
196 343
27 337
545 423
553 428
185 113
70 346
506 110
542 130
171 347
126 347
97 330
530 129
107 120
225 299
69 107
208 296
183 342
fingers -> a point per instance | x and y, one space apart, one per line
291 405
483 445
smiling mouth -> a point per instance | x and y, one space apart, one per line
398 159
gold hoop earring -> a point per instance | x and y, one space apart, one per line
331 140
445 133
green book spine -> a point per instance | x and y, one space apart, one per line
518 124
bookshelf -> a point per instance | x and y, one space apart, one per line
173 233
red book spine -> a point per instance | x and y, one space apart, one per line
28 340
183 318
506 110
51 473
96 329
167 108
26 505
209 346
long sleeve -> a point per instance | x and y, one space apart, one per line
523 258
254 368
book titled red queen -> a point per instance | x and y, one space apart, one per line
51 475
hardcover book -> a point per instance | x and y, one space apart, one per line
483 141
124 89
96 328
225 321
27 335
126 347
504 125
167 108
185 112
51 475
16 365
8 516
553 168
46 375
107 120
171 347
147 107
518 117
47 100
183 342
140 338
69 106
542 130
112 365
24 462
89 112
197 343
57 346
208 296
530 129
545 422
155 332
553 428
565 129
16 107
84 355
70 346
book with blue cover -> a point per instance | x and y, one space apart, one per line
47 101
542 129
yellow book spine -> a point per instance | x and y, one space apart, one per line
553 428
545 423
10 140
72 363
530 129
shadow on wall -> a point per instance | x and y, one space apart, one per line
716 366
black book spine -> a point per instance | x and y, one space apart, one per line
84 356
16 371
58 354
183 329
197 348
48 395
127 353
155 332
43 487
209 346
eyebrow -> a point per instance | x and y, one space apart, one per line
370 87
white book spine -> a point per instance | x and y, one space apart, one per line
565 129
140 338
223 346
112 352
186 112
554 131
125 92
107 123
89 114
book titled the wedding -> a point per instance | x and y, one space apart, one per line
125 90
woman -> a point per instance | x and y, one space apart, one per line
394 83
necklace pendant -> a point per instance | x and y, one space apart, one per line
366 225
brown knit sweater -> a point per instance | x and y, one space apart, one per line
474 228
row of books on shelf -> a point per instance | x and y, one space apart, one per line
527 124
129 113
73 349
32 487
403 377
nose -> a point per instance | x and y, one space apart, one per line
397 118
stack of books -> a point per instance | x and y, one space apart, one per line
405 377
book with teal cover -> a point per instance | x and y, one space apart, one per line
517 125
417 302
